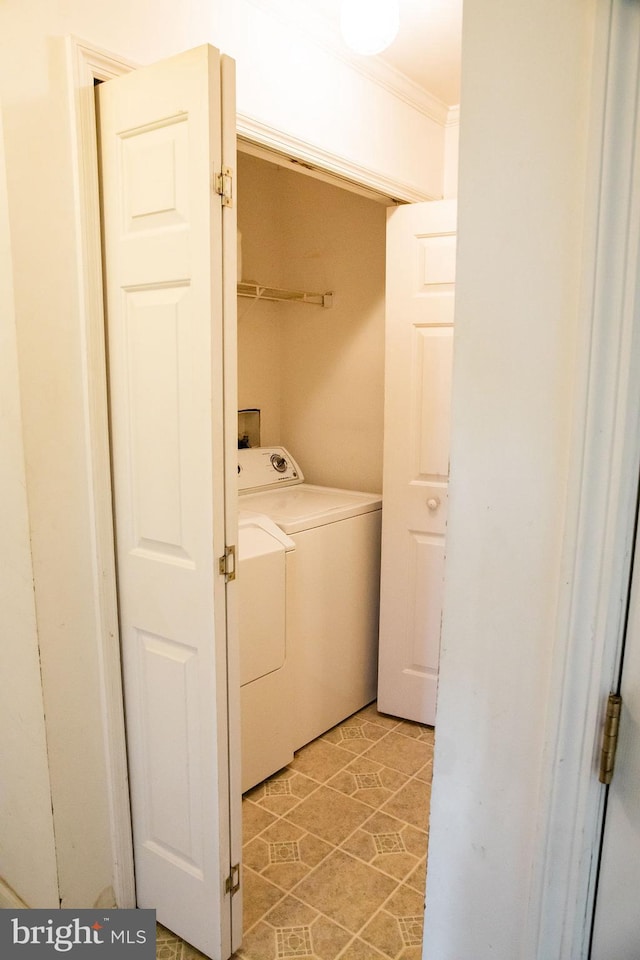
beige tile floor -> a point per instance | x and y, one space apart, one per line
335 848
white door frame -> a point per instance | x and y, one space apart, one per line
86 64
598 540
605 469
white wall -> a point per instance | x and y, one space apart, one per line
27 849
333 414
525 97
280 82
317 375
260 360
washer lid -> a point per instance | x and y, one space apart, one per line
306 506
266 468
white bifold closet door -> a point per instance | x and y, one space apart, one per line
165 132
421 246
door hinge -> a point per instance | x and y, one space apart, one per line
232 883
610 738
224 186
227 564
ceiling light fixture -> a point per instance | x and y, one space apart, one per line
369 26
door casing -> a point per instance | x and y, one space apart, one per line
601 502
88 65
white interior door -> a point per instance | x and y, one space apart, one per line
616 933
161 144
418 359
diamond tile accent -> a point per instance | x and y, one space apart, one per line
278 788
293 942
389 843
352 733
286 851
167 949
411 930
367 781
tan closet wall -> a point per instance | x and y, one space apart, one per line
317 374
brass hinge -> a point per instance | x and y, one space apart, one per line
227 564
232 883
610 738
224 186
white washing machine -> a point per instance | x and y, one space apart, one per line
332 588
265 682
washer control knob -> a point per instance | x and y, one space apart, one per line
278 463
433 503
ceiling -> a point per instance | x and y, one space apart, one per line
427 48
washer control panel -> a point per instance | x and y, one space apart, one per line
262 468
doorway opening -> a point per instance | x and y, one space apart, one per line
354 800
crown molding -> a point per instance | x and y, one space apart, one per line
315 28
317 162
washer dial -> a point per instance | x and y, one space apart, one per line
278 463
